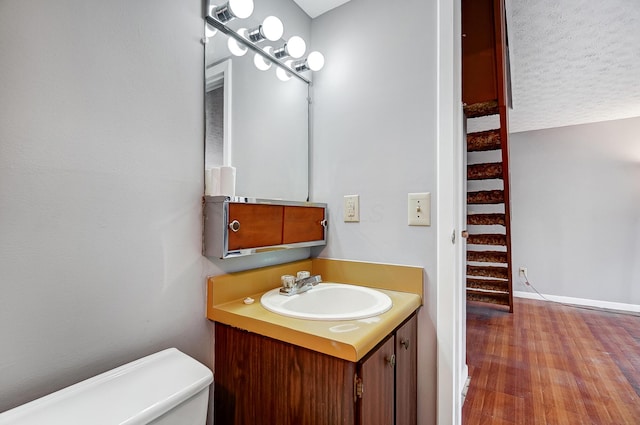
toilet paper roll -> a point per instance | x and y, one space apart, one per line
212 181
227 181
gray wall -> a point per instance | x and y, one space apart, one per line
576 210
101 168
374 135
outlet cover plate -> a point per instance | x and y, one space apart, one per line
351 208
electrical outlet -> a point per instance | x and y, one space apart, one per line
351 208
523 271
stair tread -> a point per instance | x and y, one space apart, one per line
484 141
486 219
498 239
485 197
481 109
484 171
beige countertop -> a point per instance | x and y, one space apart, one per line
346 339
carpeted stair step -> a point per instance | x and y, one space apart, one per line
486 219
497 239
484 171
482 109
485 197
501 298
483 141
488 271
487 256
488 284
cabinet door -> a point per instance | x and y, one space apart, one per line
303 224
259 225
406 373
377 373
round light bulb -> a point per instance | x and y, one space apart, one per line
236 48
282 74
296 47
241 8
315 61
272 28
261 62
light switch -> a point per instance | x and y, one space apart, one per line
351 208
419 207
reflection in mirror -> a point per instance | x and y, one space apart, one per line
254 121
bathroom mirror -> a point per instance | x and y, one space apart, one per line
255 122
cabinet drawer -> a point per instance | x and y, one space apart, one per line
259 225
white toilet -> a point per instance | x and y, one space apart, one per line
165 388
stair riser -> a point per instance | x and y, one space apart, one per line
483 141
497 272
487 256
494 240
500 299
488 284
485 197
484 171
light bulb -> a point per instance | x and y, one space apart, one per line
272 28
261 62
296 47
282 74
236 48
209 31
315 61
241 8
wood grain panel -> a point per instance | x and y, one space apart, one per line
406 373
252 389
260 225
376 407
303 224
549 363
479 80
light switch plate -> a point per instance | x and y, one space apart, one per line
351 208
419 207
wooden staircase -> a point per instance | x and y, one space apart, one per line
488 244
485 97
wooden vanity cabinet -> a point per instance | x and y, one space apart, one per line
388 392
262 381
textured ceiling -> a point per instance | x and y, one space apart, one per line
573 61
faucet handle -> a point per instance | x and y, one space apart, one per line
302 275
288 281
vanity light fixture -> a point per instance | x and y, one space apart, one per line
313 62
294 47
270 29
241 41
233 9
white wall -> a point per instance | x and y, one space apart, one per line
374 135
101 157
576 210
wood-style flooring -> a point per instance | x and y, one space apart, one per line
551 364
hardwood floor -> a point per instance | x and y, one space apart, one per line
551 364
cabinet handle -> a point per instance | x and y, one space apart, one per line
405 343
234 225
391 360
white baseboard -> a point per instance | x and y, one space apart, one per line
579 301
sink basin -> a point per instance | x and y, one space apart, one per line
328 301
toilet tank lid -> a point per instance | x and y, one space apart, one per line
132 394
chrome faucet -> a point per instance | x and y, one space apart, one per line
300 285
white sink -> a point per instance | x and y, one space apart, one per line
328 301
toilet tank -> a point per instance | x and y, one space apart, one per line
164 388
